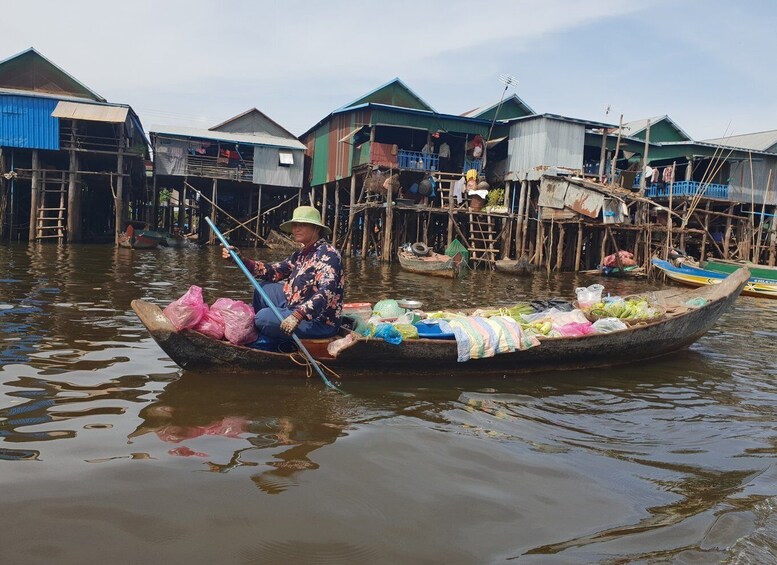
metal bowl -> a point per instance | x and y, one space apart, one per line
408 304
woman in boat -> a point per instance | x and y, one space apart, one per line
306 288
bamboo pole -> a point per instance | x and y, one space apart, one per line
642 179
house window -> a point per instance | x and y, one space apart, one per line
285 158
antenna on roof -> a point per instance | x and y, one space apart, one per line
508 81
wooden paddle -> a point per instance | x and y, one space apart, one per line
275 311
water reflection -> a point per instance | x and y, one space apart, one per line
279 425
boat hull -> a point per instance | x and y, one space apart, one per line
756 271
447 267
514 267
696 277
681 327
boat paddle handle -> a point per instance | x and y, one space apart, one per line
267 301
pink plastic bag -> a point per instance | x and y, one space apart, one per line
576 328
212 324
238 320
188 310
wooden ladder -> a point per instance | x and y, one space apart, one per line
50 222
482 239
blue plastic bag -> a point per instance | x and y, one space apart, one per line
388 333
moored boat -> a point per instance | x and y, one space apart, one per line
727 266
682 325
696 277
520 267
435 264
139 239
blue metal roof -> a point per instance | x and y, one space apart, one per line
26 122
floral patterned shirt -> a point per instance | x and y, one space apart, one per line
313 281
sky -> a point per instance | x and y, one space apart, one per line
708 64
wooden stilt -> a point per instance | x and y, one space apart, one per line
351 215
73 198
560 248
773 239
387 252
727 236
579 246
703 253
520 231
213 206
34 200
324 191
118 206
365 233
258 225
336 223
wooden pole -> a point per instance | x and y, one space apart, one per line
34 205
520 231
773 238
761 223
119 198
213 207
387 250
704 236
336 222
323 202
617 149
727 237
73 217
603 154
642 179
451 220
560 247
365 232
258 214
351 215
539 243
579 247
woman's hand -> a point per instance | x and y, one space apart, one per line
225 251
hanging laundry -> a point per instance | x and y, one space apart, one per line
458 190
668 175
655 175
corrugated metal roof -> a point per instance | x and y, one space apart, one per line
26 122
634 127
91 112
249 139
560 118
487 107
759 141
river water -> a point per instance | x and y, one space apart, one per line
109 453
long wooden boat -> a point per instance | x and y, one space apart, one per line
695 276
434 264
520 267
727 266
681 326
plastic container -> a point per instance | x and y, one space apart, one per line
362 310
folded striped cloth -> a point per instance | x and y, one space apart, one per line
477 337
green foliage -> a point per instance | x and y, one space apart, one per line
164 195
496 197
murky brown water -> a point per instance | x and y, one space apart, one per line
111 454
